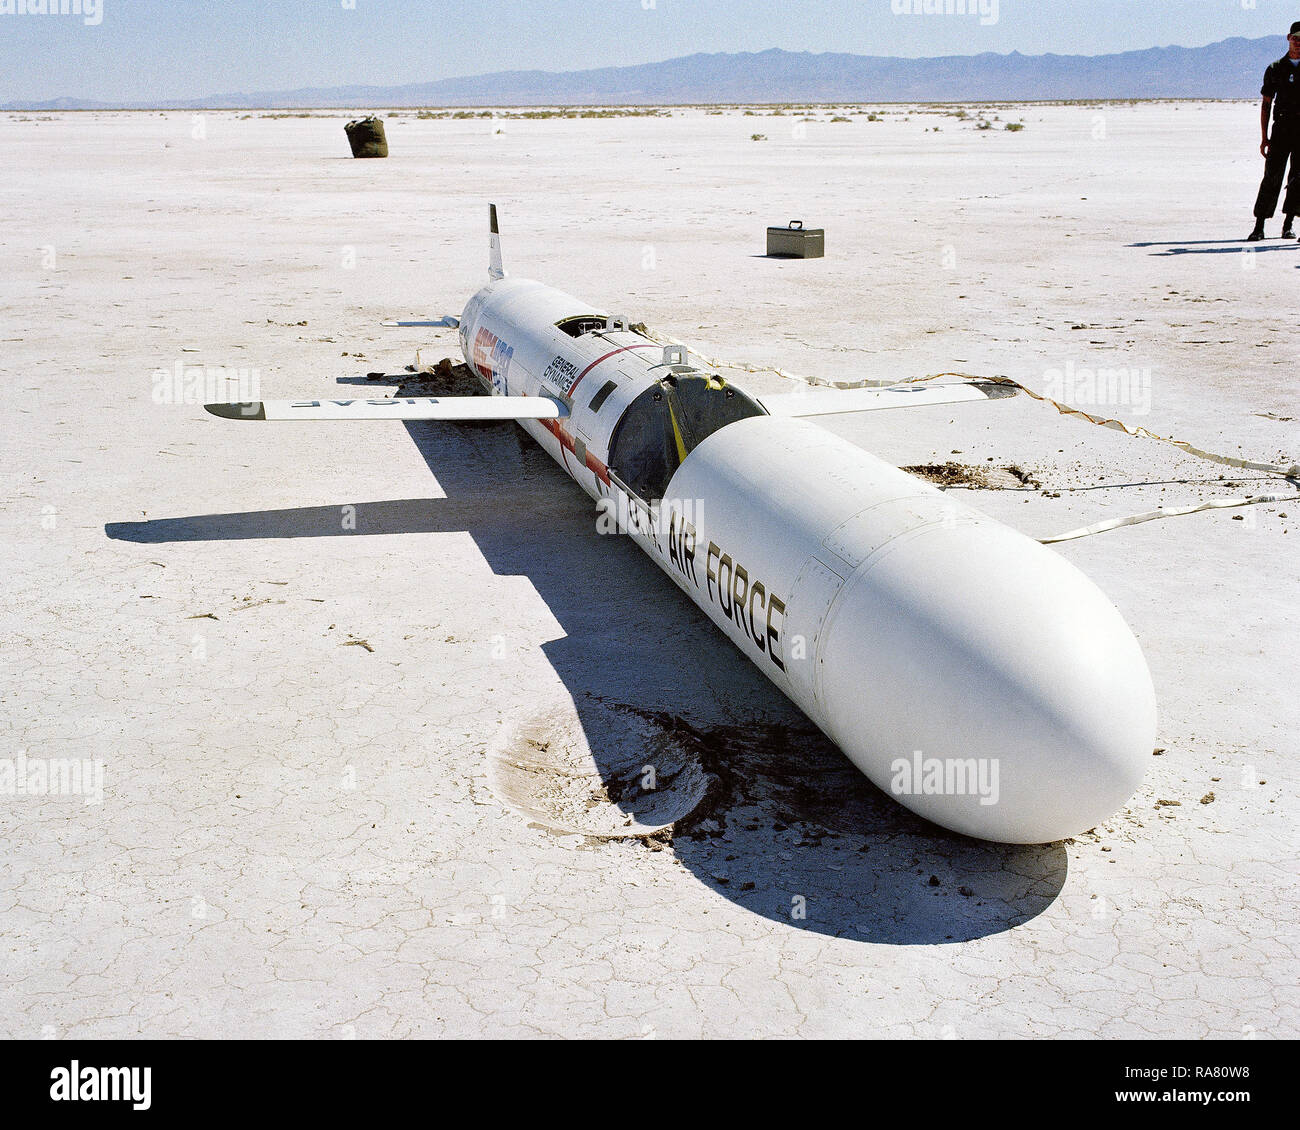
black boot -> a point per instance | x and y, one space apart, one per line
1257 234
1288 230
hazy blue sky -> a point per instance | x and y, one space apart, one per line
190 48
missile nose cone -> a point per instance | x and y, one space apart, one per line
988 685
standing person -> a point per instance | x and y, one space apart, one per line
1282 93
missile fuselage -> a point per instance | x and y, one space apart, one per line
975 675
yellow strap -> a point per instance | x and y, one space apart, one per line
677 432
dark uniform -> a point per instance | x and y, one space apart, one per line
1282 84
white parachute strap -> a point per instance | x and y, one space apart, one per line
1167 512
1291 473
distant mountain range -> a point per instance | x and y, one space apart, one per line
1232 68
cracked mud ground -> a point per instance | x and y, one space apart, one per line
311 660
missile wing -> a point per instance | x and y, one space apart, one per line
833 401
454 409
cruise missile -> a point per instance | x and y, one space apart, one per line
970 672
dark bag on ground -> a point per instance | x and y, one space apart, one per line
367 138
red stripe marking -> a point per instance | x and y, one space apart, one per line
601 360
597 468
594 465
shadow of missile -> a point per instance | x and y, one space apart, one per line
790 830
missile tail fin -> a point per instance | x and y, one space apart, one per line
496 269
